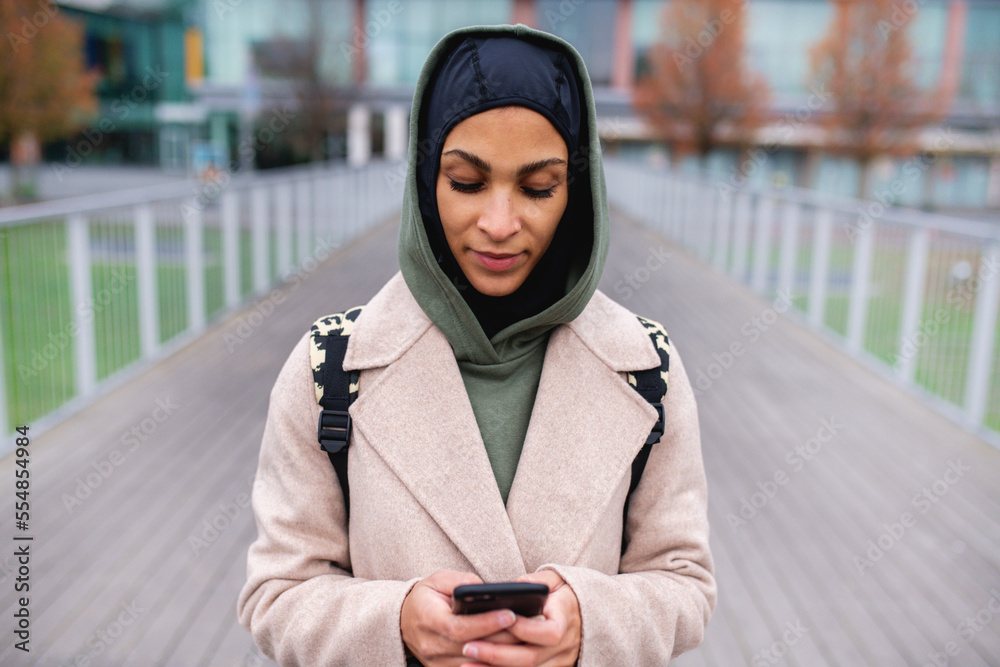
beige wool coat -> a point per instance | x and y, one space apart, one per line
424 498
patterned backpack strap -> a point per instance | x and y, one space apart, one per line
652 383
336 388
652 386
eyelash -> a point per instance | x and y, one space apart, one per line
476 187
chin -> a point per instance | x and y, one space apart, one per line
496 286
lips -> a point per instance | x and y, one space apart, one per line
496 261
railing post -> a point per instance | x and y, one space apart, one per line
145 273
741 236
677 206
706 222
913 303
303 218
340 194
980 369
364 216
789 248
762 244
723 214
283 218
258 221
663 202
857 308
231 248
649 198
690 213
348 182
195 253
818 277
321 215
83 292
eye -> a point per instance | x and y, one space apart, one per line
465 187
538 194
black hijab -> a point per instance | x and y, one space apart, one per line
481 74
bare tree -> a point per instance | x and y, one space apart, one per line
865 60
697 91
300 61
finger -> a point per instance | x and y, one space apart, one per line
464 628
505 655
539 631
502 637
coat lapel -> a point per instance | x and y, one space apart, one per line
586 427
418 418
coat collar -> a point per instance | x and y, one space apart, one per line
393 321
417 417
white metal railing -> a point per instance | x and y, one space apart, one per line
913 294
92 287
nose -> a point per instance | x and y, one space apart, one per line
499 220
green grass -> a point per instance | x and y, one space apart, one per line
36 309
942 349
215 300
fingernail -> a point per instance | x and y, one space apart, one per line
470 651
507 618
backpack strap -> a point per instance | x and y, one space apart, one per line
336 389
652 386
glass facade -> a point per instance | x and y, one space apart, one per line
589 26
244 36
779 35
399 42
927 32
980 78
140 64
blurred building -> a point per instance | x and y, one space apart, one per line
232 66
138 49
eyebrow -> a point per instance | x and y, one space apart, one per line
482 164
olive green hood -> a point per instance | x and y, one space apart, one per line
436 293
501 373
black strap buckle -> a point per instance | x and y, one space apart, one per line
334 430
654 435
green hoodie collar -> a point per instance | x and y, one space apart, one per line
437 296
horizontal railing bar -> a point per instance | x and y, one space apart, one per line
148 194
852 206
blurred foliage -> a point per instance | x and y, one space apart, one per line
865 61
696 90
45 89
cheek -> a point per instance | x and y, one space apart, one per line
452 212
553 216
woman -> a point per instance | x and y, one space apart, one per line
494 428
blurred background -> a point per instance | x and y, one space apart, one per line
806 192
838 97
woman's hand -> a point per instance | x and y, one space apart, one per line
434 634
550 640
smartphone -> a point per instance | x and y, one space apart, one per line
521 598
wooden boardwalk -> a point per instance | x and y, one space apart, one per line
840 556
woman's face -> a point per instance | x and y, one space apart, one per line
501 191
